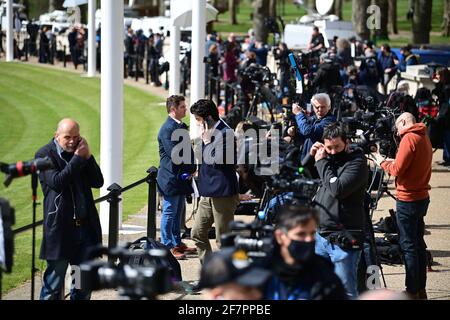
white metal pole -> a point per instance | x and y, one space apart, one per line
174 63
92 50
111 116
198 52
9 31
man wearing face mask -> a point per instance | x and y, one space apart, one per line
298 273
340 203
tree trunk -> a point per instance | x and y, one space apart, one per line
421 25
260 12
382 33
446 19
392 16
232 10
337 8
359 18
273 8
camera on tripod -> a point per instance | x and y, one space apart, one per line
140 274
255 238
377 127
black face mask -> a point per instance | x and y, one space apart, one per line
339 156
302 251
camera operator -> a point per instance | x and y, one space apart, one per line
229 275
281 53
71 222
311 129
261 50
328 75
298 273
340 202
317 41
218 185
412 169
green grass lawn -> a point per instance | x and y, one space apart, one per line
292 12
32 101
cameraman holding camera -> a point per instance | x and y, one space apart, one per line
340 203
311 129
412 169
71 222
298 273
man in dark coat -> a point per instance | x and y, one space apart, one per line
340 203
71 222
174 177
218 185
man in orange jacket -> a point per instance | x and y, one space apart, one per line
412 169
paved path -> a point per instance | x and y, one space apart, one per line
437 235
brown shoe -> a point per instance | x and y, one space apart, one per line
177 254
185 249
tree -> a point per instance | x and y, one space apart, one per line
260 13
337 8
382 33
421 21
446 19
359 18
232 10
392 20
51 5
273 8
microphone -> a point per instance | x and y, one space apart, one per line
23 168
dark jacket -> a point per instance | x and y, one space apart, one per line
340 199
218 179
67 188
311 129
327 77
314 281
169 178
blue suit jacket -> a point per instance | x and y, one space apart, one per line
218 179
169 173
311 129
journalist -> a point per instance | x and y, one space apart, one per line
412 169
218 185
171 183
340 203
71 222
311 128
299 273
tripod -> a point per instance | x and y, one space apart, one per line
381 189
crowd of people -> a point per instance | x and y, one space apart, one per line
317 247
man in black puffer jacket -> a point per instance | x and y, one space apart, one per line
340 202
327 76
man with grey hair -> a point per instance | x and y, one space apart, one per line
311 128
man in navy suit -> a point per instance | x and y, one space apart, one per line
174 179
218 185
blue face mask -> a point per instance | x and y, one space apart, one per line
302 251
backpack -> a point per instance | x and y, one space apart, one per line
425 104
372 69
146 243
